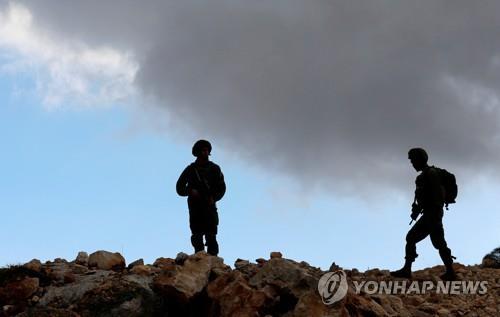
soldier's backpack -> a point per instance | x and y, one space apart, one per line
449 183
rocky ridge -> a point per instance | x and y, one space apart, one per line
101 284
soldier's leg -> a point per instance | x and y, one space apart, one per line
211 233
439 242
416 234
196 226
212 245
197 242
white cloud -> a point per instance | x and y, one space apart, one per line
65 70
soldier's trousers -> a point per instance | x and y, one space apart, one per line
431 223
203 221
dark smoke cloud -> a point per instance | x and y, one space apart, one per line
332 92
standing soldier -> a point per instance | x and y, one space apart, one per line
203 182
429 200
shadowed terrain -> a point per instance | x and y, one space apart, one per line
202 285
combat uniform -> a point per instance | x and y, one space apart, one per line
208 180
429 194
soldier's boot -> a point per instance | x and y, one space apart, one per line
447 258
197 242
410 256
212 245
405 271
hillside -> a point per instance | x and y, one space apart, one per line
202 285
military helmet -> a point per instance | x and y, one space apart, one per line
199 145
418 153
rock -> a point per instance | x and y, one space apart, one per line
17 292
136 262
7 309
164 263
461 271
419 313
372 272
334 267
492 311
235 297
47 312
245 267
69 277
295 287
283 273
392 305
104 294
78 269
204 286
59 272
490 263
239 263
181 258
60 260
27 287
65 295
189 279
261 261
276 255
34 265
141 270
385 272
104 260
492 260
145 281
304 264
119 297
413 300
358 305
310 305
82 258
131 307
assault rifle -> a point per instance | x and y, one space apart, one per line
415 209
205 187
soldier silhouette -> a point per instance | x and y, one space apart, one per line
429 200
203 182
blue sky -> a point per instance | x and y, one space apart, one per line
85 168
73 180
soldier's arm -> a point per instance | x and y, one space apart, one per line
435 189
419 190
182 183
220 185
